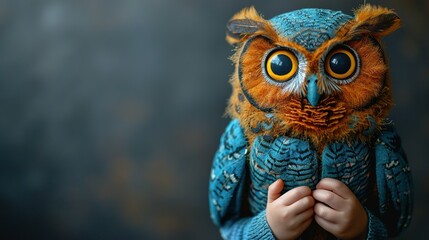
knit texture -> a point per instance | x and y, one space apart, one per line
309 27
248 228
240 175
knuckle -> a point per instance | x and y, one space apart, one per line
320 210
336 184
329 197
323 213
273 205
292 223
308 201
286 214
305 202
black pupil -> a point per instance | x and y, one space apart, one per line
340 63
281 64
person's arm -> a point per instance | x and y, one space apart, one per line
226 189
339 206
394 184
286 216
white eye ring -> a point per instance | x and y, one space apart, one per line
294 83
337 78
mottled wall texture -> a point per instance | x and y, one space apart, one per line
111 111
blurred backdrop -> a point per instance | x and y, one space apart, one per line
111 112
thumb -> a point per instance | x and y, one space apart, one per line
274 190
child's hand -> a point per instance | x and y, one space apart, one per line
291 213
338 210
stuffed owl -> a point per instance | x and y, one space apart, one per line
310 100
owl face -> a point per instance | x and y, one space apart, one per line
312 73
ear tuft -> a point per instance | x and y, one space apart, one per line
375 21
245 23
236 28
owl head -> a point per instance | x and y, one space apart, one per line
316 74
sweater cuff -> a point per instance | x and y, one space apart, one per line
259 228
255 227
376 229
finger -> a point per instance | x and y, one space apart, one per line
335 186
304 216
306 220
294 195
329 198
274 190
302 205
323 211
327 225
305 224
301 218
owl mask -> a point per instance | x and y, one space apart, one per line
314 74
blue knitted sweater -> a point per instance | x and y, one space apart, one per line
242 172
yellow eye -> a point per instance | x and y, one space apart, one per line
281 65
340 63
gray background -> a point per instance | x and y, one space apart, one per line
111 111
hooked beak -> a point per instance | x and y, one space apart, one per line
313 95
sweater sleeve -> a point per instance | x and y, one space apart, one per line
376 228
226 185
255 227
394 185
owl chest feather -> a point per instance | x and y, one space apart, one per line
298 163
